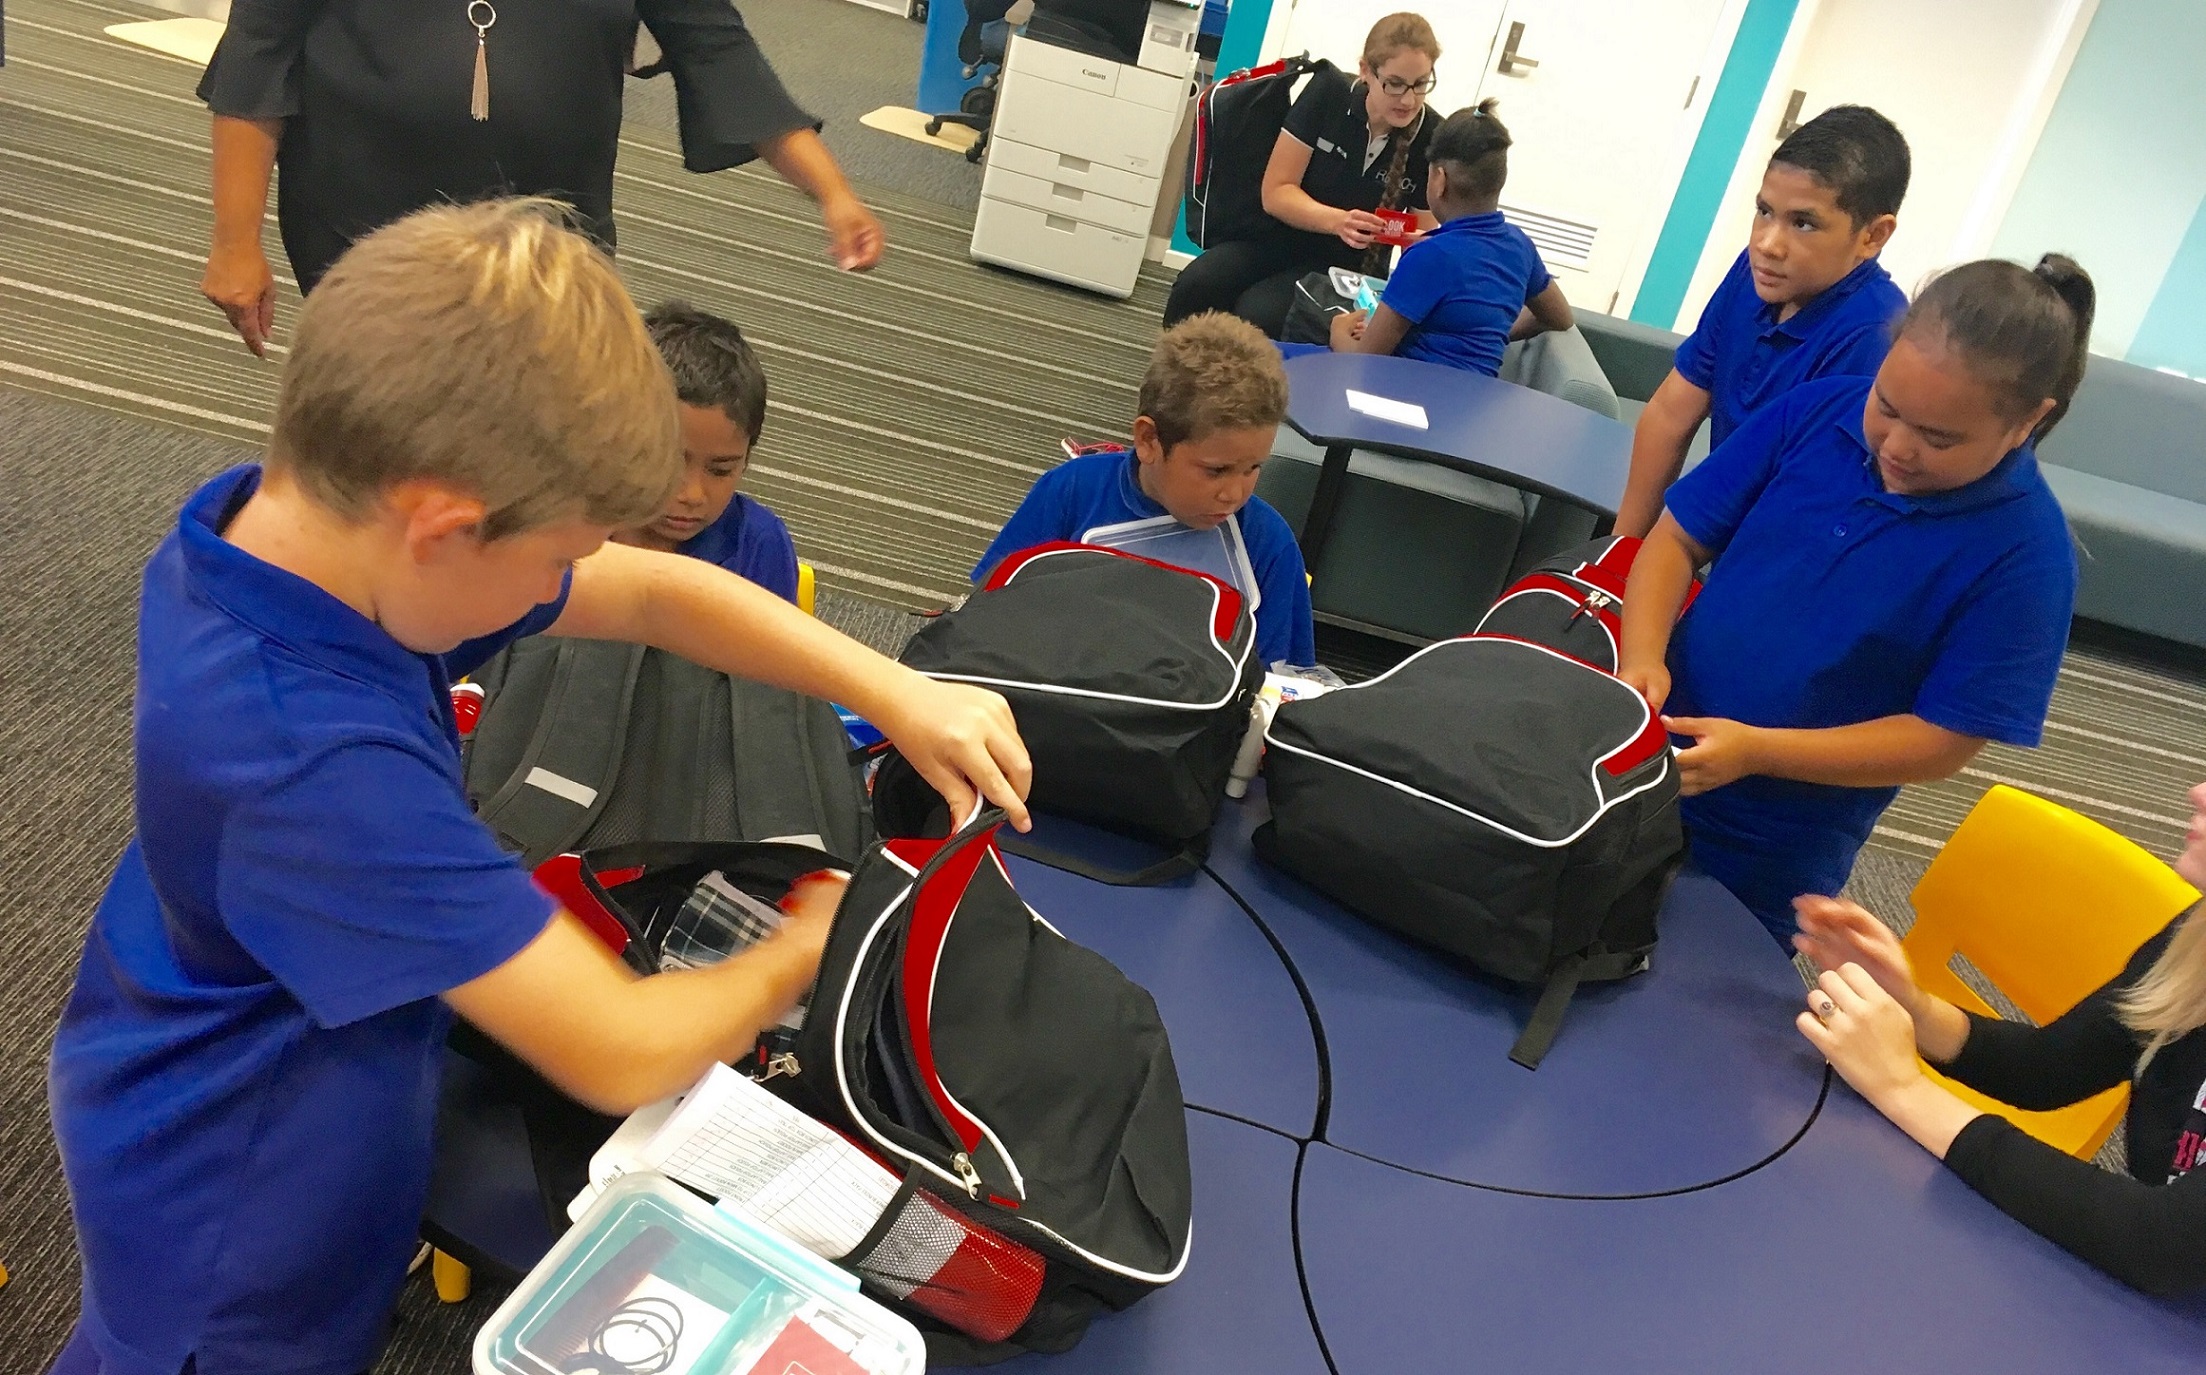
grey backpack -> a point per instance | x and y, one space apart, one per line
588 743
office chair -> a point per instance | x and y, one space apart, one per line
980 46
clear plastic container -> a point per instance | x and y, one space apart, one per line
655 1281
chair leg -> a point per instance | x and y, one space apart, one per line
453 1279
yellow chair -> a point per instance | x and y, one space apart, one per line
454 1280
806 589
2049 905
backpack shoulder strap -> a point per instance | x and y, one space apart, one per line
567 770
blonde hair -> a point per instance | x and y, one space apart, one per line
1396 32
490 347
2170 1000
1213 372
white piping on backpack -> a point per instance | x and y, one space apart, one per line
1615 650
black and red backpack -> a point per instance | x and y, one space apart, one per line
1503 796
1022 1086
1237 121
1132 682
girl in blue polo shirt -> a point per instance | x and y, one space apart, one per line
1893 588
1466 289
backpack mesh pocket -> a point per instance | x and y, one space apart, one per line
952 1268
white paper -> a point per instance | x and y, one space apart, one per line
1391 411
735 1141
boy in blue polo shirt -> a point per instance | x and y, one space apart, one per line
722 389
1894 586
1185 494
1466 289
245 1079
1806 299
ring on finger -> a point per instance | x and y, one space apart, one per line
1824 1007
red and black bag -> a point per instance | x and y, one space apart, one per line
1236 123
1573 602
1131 681
1020 1083
1494 796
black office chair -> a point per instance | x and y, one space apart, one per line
980 46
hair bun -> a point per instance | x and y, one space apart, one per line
1487 106
2072 284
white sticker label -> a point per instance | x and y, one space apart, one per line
580 794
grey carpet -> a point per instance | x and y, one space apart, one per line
911 409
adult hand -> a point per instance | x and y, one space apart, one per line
238 281
854 238
1863 1031
1347 328
1359 227
963 739
1835 933
1651 681
1722 752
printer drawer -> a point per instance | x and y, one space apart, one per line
1058 198
1067 170
1058 247
1067 119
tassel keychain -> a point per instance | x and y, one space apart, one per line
479 106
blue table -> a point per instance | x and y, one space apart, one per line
1237 1309
1671 1079
1854 1251
1241 1035
1482 425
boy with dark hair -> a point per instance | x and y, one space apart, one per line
1462 292
1185 493
1806 299
722 390
244 1082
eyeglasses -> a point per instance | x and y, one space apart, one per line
1397 88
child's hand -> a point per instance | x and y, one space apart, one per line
809 910
1651 681
1863 1031
1722 752
1359 227
1347 328
962 739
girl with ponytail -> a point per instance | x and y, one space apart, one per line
2147 1027
1895 585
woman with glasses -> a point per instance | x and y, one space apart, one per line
376 108
1347 149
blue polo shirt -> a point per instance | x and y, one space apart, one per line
1744 359
1088 495
752 542
1834 602
1461 288
244 1082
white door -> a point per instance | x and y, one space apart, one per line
1969 85
1335 29
1602 99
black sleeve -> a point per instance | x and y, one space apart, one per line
253 74
2084 1051
1315 108
726 93
2150 1237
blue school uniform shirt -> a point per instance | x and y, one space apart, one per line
752 542
1833 602
1461 288
1744 359
1090 494
244 1082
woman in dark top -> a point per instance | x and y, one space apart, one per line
375 108
1345 150
2147 1027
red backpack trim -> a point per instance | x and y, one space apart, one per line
1226 609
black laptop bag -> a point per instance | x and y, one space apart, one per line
1497 799
1019 1082
1132 683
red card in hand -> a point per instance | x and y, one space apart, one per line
801 1351
1401 227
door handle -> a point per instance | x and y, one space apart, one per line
1790 124
1511 64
